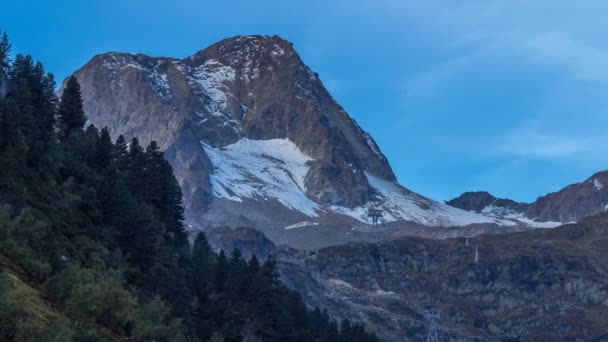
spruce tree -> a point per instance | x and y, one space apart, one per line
71 112
202 265
153 189
136 167
5 50
121 154
104 153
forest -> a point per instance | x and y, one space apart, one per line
93 245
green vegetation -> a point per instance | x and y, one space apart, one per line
92 240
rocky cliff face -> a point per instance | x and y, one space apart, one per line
247 240
255 139
574 202
477 201
543 285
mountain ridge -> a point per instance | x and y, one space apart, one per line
571 203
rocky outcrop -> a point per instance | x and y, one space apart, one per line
477 201
574 202
543 285
570 204
248 240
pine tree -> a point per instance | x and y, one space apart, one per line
172 209
5 50
121 154
136 177
153 179
13 150
221 272
104 153
202 265
71 112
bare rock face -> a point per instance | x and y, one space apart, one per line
477 201
574 202
570 204
247 240
542 285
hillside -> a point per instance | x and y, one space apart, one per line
542 285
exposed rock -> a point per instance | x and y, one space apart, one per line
477 201
542 285
570 204
574 202
248 240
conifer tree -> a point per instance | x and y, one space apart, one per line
121 153
71 112
12 150
202 265
5 50
104 153
136 177
153 179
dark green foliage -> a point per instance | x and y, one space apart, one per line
70 112
98 229
5 50
104 153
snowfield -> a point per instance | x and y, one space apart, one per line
275 170
510 214
397 203
262 169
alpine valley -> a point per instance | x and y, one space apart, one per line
270 163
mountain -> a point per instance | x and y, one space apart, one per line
255 139
540 285
574 202
570 204
500 208
477 201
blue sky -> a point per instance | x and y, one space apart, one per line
505 96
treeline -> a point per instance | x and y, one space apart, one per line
94 227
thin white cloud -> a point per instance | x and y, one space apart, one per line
426 84
586 62
538 144
510 33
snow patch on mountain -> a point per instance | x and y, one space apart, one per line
398 203
597 185
262 169
510 214
302 224
211 77
275 170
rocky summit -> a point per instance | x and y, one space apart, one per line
570 204
256 140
